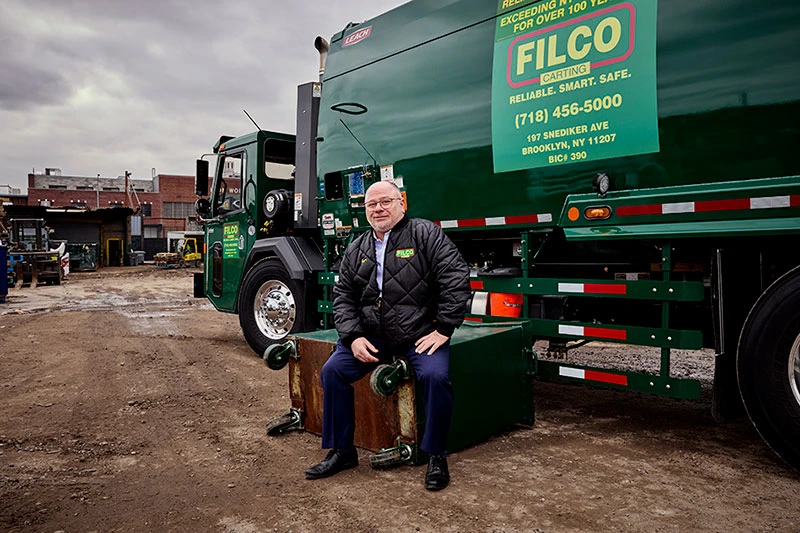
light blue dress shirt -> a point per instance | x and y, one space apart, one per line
380 252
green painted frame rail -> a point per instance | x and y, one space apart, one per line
685 339
687 230
643 336
766 206
675 291
665 291
621 380
326 280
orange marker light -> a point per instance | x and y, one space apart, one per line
597 213
573 214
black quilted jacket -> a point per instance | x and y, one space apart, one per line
425 286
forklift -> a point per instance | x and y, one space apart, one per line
30 258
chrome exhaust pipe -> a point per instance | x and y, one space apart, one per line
322 47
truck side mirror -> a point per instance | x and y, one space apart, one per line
201 178
202 207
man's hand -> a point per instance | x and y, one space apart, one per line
361 348
431 342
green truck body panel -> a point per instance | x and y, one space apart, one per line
718 119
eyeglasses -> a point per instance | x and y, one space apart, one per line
384 203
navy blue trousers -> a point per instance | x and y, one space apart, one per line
342 369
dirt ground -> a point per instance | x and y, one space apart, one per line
127 405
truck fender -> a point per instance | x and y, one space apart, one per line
299 255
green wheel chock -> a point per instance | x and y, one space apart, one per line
277 355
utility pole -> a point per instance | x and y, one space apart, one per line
128 189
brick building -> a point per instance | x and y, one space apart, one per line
12 196
162 205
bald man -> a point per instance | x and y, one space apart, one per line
402 290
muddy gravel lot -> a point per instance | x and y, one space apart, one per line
127 405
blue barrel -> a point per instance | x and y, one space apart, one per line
3 273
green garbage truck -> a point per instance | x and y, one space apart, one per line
614 171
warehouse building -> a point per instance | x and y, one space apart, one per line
161 206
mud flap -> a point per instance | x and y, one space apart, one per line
199 289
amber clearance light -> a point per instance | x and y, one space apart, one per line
597 213
573 214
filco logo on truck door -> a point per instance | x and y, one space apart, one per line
573 80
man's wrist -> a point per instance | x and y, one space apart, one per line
445 330
347 340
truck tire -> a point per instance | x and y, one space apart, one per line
768 366
271 305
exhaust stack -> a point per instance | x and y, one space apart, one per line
322 47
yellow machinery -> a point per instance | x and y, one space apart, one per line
186 254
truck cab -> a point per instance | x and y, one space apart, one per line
262 244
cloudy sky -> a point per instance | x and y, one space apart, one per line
103 86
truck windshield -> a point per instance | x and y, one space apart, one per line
228 194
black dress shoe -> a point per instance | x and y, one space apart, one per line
437 477
334 462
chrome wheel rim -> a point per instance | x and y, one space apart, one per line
794 369
274 309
